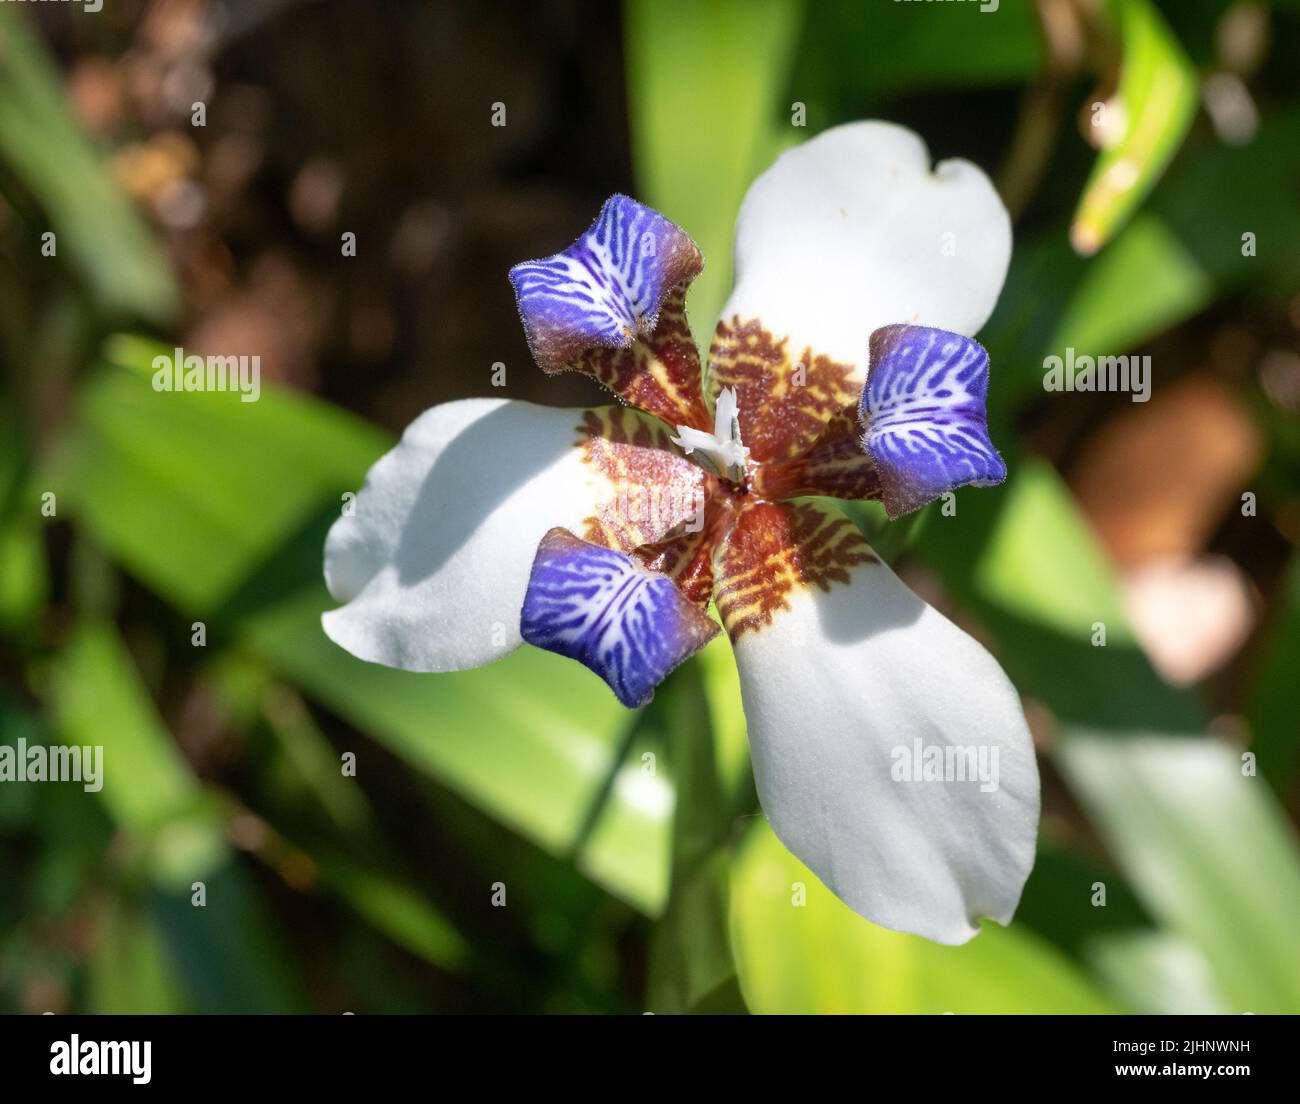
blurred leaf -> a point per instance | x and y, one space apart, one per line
17 803
530 739
228 955
1057 901
130 972
24 576
191 491
910 47
1220 192
1274 702
311 762
1172 260
1156 100
1044 563
96 225
691 968
730 740
1156 973
821 957
703 82
394 909
1117 304
1023 560
146 785
24 580
1206 849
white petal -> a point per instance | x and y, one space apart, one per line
837 689
852 231
434 563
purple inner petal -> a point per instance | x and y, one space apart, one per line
606 287
629 625
923 406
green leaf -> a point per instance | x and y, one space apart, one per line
146 785
1023 560
394 909
1173 259
799 950
1156 98
95 223
530 739
229 957
1274 701
691 966
703 82
849 56
24 575
1044 563
24 578
193 491
130 972
1117 304
730 738
1156 974
1207 850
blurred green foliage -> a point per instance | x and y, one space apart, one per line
638 870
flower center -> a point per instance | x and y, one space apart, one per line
720 451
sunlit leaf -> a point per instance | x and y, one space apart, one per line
703 82
1149 113
1116 304
800 950
1045 563
192 491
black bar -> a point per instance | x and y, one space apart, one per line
339 1053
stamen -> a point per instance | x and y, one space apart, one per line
721 450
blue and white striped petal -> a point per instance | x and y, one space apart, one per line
629 625
923 407
607 287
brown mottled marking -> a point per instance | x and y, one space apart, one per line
780 417
687 558
754 548
659 372
836 466
775 547
653 487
